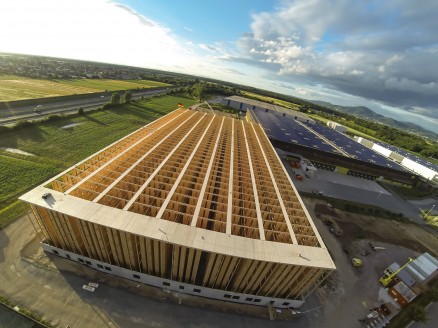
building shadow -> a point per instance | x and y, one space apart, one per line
125 303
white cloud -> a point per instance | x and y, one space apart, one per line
95 30
208 47
380 50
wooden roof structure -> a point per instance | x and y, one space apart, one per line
195 179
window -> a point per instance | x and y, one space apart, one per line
108 268
181 287
88 262
235 297
257 300
227 296
286 303
166 283
81 260
249 299
196 290
68 256
55 251
136 276
100 266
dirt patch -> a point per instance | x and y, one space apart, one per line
356 227
17 151
68 126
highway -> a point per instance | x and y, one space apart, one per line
41 108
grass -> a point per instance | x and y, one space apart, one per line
350 130
412 192
112 85
431 219
16 87
56 149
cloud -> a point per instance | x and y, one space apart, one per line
208 47
93 30
385 51
132 12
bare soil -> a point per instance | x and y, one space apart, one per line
355 227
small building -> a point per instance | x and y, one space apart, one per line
409 282
401 293
423 267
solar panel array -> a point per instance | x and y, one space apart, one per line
409 155
354 148
284 127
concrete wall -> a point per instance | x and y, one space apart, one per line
172 285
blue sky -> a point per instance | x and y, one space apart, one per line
380 54
205 21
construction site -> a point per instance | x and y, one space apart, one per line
193 202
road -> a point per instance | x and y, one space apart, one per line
354 189
11 115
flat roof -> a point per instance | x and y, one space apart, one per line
196 179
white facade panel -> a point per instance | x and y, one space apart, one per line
418 168
381 150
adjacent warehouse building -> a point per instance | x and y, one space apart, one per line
243 104
193 202
408 160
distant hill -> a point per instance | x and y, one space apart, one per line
367 113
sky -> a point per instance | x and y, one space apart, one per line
379 54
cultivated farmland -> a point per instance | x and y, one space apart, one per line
17 88
57 148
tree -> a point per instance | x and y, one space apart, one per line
115 99
432 293
127 97
81 111
418 313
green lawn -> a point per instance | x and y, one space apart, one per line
56 149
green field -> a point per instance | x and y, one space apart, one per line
272 100
17 88
56 149
112 85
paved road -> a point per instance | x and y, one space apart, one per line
354 189
56 106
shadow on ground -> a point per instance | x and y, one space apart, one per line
125 303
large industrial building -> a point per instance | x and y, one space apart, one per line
193 202
325 147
